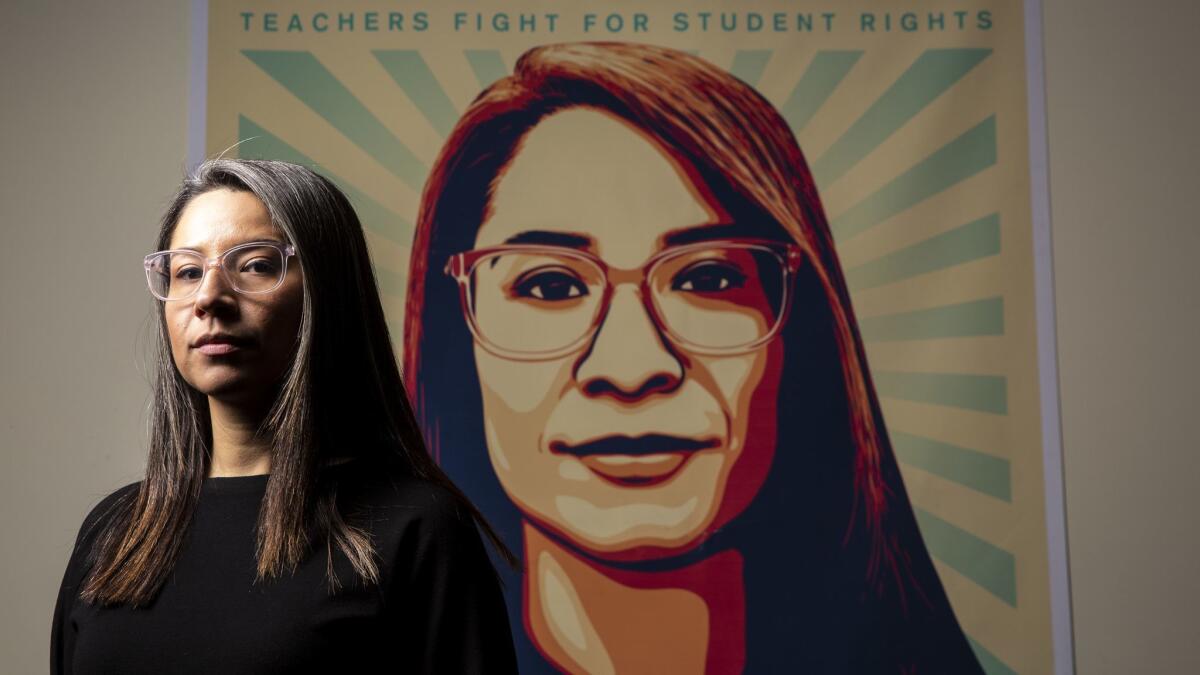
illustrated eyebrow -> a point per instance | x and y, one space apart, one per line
252 241
549 238
689 235
699 233
571 240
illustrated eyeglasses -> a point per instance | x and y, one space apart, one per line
535 302
251 268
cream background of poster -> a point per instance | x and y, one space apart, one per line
96 115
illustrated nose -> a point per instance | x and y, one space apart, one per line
628 358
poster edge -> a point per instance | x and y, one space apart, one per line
1045 311
1052 447
197 84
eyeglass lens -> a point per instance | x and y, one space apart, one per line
717 298
254 269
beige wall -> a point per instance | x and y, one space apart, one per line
94 128
1122 97
93 132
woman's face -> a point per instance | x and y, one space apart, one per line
264 326
685 440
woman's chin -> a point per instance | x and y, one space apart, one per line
229 390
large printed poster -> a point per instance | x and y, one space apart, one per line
725 314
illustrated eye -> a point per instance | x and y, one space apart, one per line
708 277
550 285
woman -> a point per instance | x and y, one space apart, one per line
662 394
290 518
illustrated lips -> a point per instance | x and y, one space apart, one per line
634 461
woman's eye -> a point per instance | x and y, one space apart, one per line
550 286
189 273
708 278
259 266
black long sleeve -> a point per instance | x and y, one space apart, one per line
63 630
438 606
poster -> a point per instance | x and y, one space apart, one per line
732 317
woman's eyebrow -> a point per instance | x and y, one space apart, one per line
248 241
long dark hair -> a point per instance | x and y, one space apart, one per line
342 396
837 575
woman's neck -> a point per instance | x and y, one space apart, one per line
237 451
587 617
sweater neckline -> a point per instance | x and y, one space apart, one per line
236 484
255 483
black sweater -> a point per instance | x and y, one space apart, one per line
438 607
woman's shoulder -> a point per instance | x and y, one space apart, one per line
408 515
390 488
98 518
104 510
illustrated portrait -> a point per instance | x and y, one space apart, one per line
629 338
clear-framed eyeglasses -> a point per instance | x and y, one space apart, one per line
534 302
252 268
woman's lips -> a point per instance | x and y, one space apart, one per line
218 348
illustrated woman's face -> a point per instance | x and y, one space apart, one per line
264 326
630 446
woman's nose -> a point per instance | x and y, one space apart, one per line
628 357
214 294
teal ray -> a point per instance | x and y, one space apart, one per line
968 319
984 563
395 333
991 664
984 393
934 71
413 75
827 70
749 64
973 241
954 162
259 143
487 65
311 82
391 283
979 471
